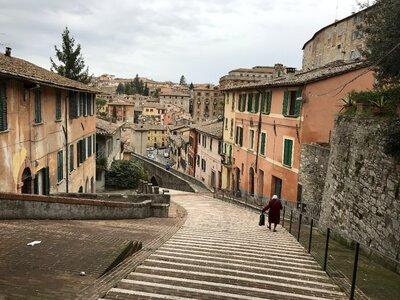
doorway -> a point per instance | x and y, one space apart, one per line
260 183
27 181
276 186
251 177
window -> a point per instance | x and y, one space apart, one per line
251 139
90 143
71 158
58 105
204 141
190 160
291 103
263 140
256 102
250 103
198 160
266 103
231 133
233 101
60 166
198 138
74 108
287 152
242 102
203 165
239 136
220 147
38 106
227 98
226 123
3 106
85 104
191 141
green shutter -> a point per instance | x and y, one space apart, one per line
58 105
90 146
237 135
262 108
3 106
262 150
297 104
269 101
38 107
256 102
46 175
250 103
287 153
244 99
71 158
241 136
60 166
285 103
36 184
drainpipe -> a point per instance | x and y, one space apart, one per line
259 129
66 144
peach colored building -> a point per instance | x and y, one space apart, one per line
208 155
273 118
47 130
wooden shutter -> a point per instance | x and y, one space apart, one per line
58 105
239 102
250 103
60 166
256 102
244 98
38 107
262 108
269 101
3 106
241 136
285 103
262 150
73 105
36 184
89 145
297 103
237 135
71 157
287 153
46 177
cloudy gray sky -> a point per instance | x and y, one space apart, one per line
163 39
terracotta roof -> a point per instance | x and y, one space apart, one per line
104 127
213 129
302 78
146 127
120 102
21 69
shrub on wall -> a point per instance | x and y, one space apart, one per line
392 143
125 174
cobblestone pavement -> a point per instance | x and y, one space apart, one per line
222 253
51 269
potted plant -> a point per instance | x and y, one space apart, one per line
379 104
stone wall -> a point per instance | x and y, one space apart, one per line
19 206
313 167
361 198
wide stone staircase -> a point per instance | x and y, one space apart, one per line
221 253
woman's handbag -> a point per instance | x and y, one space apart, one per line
262 220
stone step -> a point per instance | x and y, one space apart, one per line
263 252
284 262
299 286
177 285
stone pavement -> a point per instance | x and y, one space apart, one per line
50 270
222 253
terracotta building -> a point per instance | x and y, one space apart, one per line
175 100
207 102
121 111
47 130
273 118
341 40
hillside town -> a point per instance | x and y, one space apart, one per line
309 137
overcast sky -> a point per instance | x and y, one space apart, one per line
163 39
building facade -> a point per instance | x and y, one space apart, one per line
47 130
274 118
207 102
340 41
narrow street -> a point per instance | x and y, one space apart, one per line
222 253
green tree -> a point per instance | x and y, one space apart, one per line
125 174
182 81
129 88
137 85
72 64
120 89
191 86
146 90
382 33
100 102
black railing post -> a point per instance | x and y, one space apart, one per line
353 282
310 237
283 217
326 248
299 228
290 222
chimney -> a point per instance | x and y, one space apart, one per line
290 73
8 51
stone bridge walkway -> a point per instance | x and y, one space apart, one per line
222 253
